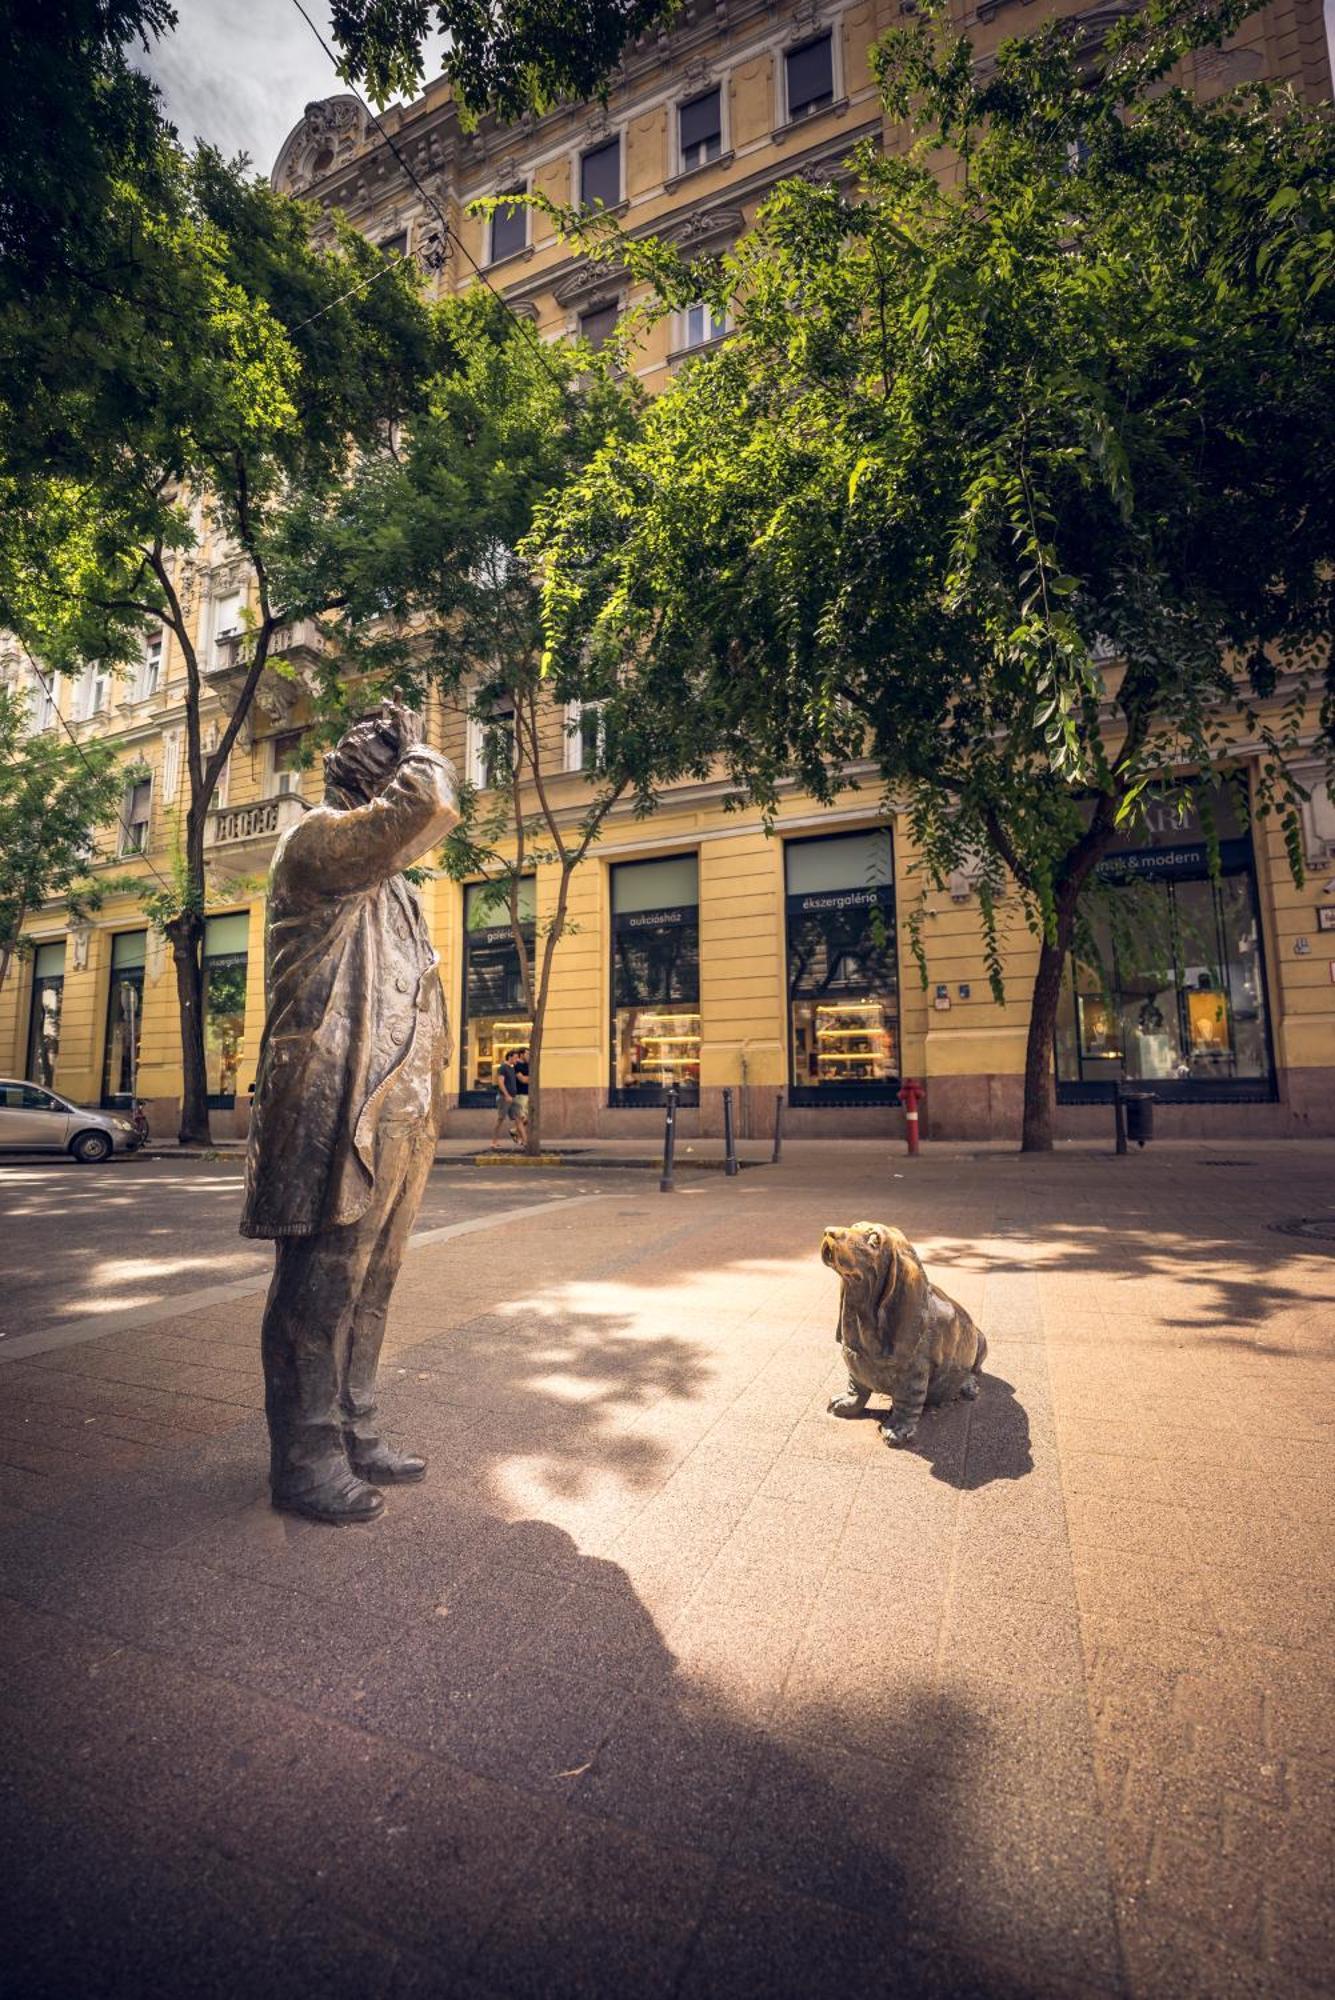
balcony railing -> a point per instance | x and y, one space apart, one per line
301 641
260 823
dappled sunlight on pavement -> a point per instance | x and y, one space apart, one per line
666 1681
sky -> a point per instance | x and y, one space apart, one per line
239 73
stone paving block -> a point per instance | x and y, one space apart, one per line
756 1938
674 1766
601 1911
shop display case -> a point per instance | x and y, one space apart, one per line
491 1042
658 1047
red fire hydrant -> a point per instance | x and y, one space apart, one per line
911 1094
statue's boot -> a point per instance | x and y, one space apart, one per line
371 1458
340 1498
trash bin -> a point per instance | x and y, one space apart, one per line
1139 1116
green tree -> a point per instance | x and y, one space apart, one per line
509 57
444 598
53 798
247 371
1019 470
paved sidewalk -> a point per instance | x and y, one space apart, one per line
667 1683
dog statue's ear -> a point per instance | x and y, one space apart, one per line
905 1295
884 1315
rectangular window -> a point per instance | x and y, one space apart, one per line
491 743
396 245
843 983
227 616
125 1012
226 946
43 711
96 689
701 129
151 672
1166 985
701 324
600 175
285 756
809 76
598 326
135 815
48 990
656 980
496 1024
509 226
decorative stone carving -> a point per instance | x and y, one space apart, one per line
330 133
706 231
80 932
901 1335
591 285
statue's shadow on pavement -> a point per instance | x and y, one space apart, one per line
969 1445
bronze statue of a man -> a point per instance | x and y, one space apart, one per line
346 1112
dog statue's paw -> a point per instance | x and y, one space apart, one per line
846 1406
897 1434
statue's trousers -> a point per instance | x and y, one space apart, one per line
324 1322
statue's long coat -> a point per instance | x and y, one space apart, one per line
351 982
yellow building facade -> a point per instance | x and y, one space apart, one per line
701 950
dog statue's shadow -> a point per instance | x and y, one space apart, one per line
968 1444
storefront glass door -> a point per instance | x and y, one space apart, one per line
48 991
496 1024
656 980
225 959
125 1019
843 988
1167 983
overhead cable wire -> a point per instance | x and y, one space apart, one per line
452 235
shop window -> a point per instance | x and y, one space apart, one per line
125 1019
509 225
48 992
843 986
1166 984
598 325
226 942
496 1023
600 175
702 323
656 980
135 817
809 75
700 129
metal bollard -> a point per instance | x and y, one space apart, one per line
729 1135
777 1154
666 1184
1119 1119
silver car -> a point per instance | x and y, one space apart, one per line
34 1120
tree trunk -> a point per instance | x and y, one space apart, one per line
1039 1090
186 936
533 1136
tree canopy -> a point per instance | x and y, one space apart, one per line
53 798
1017 472
509 57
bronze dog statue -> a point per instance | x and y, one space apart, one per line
901 1336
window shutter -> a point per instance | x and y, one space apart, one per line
600 175
810 76
700 121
